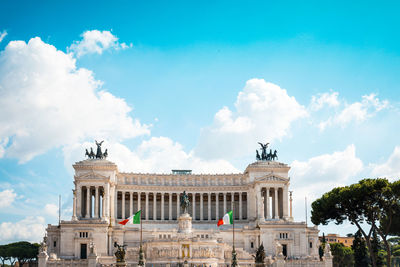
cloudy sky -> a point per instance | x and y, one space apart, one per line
193 85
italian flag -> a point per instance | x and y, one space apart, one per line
134 219
227 219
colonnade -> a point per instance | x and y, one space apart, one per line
92 202
272 202
166 205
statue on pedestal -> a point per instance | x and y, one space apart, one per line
120 253
184 202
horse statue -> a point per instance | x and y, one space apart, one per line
91 154
257 155
184 202
105 154
274 156
87 153
99 154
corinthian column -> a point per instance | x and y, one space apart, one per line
276 203
170 206
130 204
147 205
177 206
154 206
224 203
123 205
194 206
268 215
258 199
88 197
162 207
96 202
201 207
139 204
209 206
74 206
240 206
217 206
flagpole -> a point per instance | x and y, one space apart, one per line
141 258
234 260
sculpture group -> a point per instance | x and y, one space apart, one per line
99 154
264 155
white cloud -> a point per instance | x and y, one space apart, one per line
29 229
322 173
7 197
325 99
263 112
389 169
158 154
51 210
46 102
3 35
356 112
95 42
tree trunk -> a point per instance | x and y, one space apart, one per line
388 255
368 241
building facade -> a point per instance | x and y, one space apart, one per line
259 197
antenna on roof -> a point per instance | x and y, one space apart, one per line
305 200
59 210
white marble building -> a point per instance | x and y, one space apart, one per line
259 196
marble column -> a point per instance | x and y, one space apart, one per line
240 206
224 203
123 205
74 205
194 206
88 193
178 207
162 207
268 213
285 202
130 204
259 203
233 203
217 206
201 207
170 206
96 202
155 206
79 206
276 215
147 205
103 204
209 206
139 200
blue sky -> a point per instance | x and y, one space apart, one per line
183 84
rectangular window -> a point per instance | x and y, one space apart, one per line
310 244
251 245
55 244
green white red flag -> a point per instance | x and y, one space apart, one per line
134 219
227 219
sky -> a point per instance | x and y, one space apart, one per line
194 85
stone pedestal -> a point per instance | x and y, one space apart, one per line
42 259
185 223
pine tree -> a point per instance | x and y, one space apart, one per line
376 246
360 250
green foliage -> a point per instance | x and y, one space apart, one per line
22 251
376 248
370 202
260 255
360 250
342 256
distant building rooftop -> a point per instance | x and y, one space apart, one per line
181 172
